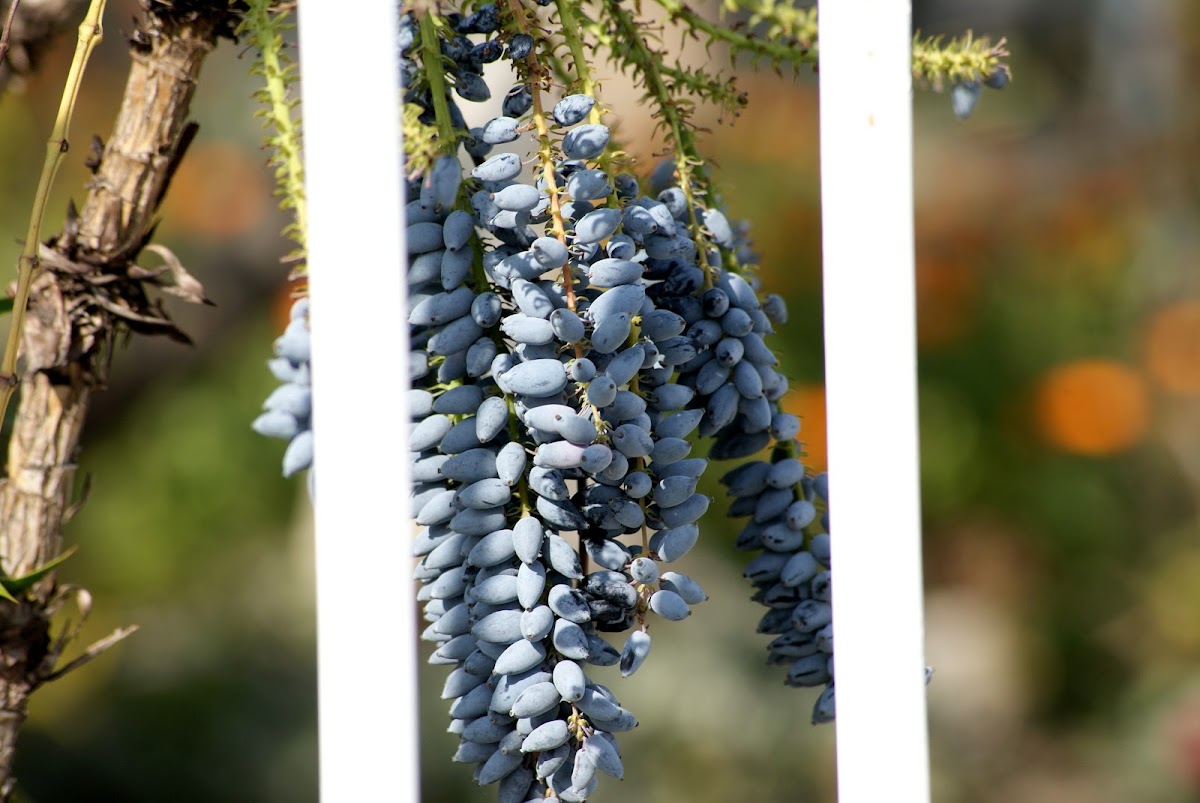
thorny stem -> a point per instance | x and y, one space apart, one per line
783 17
546 156
569 28
265 32
639 463
774 50
431 59
545 153
551 61
964 58
578 723
8 24
585 83
90 34
686 155
725 96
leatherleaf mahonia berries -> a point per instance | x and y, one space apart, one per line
583 347
586 338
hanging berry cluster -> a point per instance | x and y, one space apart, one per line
585 342
583 348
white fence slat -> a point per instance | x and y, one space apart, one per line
366 610
870 365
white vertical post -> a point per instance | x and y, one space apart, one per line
870 369
366 611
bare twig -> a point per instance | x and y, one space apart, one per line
94 651
90 34
8 24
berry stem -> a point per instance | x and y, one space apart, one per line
783 19
777 52
569 28
584 83
962 58
515 434
265 29
431 60
645 62
535 75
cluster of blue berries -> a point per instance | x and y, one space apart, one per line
551 455
573 337
289 407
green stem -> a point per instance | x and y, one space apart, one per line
792 38
699 82
639 463
646 63
569 28
90 34
515 434
961 59
266 31
782 17
534 74
584 83
431 60
778 52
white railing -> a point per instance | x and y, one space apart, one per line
871 394
366 611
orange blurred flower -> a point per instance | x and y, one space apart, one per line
947 290
808 403
1172 347
1092 407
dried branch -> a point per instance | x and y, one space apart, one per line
94 651
8 25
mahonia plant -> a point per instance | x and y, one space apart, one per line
586 338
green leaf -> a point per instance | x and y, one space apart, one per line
5 595
6 305
19 585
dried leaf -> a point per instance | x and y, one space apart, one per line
144 324
173 278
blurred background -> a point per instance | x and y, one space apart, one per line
1059 333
